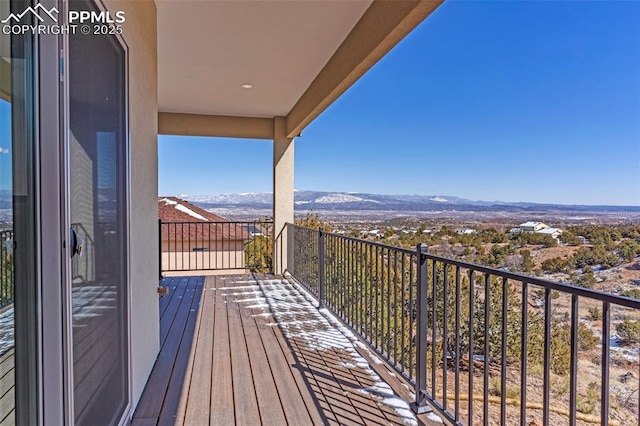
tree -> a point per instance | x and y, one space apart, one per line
527 261
587 279
570 238
629 331
628 250
312 220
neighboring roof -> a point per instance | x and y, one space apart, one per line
186 221
550 231
174 209
533 224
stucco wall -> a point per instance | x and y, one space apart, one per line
180 255
140 34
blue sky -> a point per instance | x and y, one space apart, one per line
515 101
5 145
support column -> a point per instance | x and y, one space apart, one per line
282 193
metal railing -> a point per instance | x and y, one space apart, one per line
202 246
480 345
7 281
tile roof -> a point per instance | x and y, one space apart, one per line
185 221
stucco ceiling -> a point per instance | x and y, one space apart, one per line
208 49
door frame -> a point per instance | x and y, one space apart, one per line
52 240
57 370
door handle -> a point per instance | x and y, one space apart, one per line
76 243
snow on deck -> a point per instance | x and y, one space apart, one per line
298 316
6 330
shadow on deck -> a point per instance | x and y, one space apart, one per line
246 349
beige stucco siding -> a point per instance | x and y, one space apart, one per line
140 34
180 255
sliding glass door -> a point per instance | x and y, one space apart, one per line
97 146
18 268
63 222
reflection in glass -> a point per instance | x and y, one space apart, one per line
7 321
98 207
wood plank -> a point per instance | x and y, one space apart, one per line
224 364
244 393
7 363
178 387
222 408
169 315
7 382
9 419
198 400
138 421
334 386
312 398
8 401
269 398
171 283
153 396
298 409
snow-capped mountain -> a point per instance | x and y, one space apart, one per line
438 199
317 200
245 198
341 198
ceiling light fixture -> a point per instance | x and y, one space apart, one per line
247 86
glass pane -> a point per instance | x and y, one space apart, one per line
18 301
7 342
98 216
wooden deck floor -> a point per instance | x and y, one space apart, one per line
251 350
7 388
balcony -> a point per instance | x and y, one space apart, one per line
356 330
254 349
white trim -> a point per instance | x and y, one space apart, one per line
51 368
66 313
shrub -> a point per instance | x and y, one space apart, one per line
595 314
587 339
556 264
587 279
629 249
510 392
527 261
634 293
629 331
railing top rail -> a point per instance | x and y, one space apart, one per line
373 243
232 222
562 287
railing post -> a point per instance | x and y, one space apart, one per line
419 406
321 277
290 231
160 248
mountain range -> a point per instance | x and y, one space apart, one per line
318 200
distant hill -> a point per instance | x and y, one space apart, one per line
6 200
317 200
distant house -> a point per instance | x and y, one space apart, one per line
538 228
465 231
554 232
532 226
192 237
